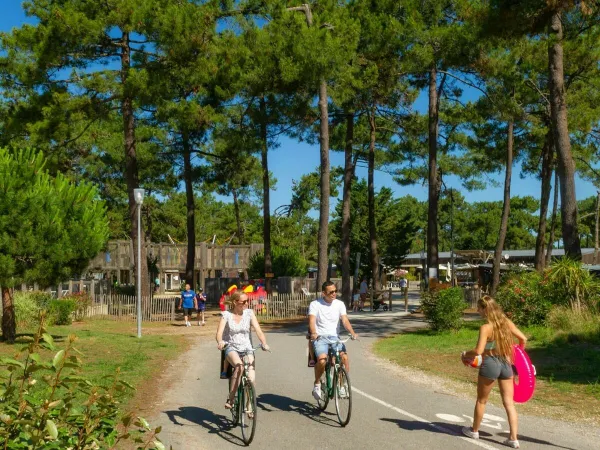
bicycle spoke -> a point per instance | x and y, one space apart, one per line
343 396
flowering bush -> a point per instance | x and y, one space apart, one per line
524 298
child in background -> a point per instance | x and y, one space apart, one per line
201 301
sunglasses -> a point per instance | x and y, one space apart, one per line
242 303
331 292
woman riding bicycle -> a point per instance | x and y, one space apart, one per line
233 334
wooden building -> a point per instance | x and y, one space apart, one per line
116 263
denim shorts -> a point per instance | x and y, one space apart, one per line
321 346
494 368
229 349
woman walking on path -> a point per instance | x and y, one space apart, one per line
233 334
495 345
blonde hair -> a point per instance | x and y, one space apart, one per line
235 297
500 330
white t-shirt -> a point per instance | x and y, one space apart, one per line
328 315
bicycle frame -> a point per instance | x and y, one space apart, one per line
333 358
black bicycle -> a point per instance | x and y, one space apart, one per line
335 383
244 410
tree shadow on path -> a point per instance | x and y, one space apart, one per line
215 423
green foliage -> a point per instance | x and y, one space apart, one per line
572 285
61 311
27 309
287 262
41 402
443 309
49 227
82 301
581 326
522 297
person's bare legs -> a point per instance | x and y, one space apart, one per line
235 361
507 389
484 387
320 367
345 361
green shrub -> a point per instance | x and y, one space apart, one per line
569 284
581 325
287 262
27 310
524 299
61 311
46 404
443 308
82 302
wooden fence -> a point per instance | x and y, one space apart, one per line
281 306
124 307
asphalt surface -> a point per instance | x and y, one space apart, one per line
389 410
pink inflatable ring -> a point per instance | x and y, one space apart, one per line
524 375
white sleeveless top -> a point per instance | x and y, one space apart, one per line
238 334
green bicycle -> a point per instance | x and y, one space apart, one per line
244 410
335 383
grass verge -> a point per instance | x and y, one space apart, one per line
568 368
107 345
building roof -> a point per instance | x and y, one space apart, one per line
510 253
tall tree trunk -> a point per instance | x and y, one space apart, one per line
505 209
560 127
323 234
238 220
9 321
371 200
553 220
266 194
348 175
546 175
191 211
597 229
434 184
131 168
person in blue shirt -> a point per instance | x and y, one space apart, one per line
188 302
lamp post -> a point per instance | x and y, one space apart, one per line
452 238
138 195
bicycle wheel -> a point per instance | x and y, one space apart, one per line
248 412
343 396
324 400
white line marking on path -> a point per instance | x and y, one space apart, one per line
419 419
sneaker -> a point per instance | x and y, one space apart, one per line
203 323
223 375
188 324
199 323
342 391
511 444
316 392
468 431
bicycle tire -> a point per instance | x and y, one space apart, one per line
248 404
324 401
343 403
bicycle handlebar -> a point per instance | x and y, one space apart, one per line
252 349
329 341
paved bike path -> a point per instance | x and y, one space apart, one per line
388 410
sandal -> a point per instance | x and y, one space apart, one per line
229 403
311 363
250 414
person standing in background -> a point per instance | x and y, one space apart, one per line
201 304
188 303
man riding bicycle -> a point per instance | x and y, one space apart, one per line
324 316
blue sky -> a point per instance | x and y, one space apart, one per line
293 159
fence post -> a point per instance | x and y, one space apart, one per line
172 312
390 298
405 289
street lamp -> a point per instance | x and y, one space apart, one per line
138 195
